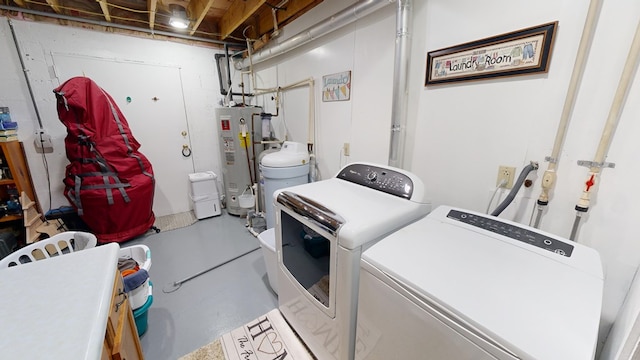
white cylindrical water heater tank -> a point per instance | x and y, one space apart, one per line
240 132
281 169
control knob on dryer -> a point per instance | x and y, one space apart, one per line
372 176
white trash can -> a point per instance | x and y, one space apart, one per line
204 194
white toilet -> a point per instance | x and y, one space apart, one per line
267 240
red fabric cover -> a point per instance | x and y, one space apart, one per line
96 136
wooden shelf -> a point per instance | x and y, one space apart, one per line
10 218
12 154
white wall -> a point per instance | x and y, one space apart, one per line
363 121
40 43
470 129
458 135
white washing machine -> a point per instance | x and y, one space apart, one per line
321 230
463 285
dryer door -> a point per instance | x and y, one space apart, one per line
307 248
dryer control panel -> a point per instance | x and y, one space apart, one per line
379 178
513 232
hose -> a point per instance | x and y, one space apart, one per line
574 228
516 187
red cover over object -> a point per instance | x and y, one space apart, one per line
108 181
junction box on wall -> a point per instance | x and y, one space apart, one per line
42 142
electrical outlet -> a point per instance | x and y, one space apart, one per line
506 173
42 142
346 149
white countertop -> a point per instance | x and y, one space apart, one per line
57 308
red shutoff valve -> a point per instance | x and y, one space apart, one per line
590 182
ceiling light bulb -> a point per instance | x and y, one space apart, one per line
179 19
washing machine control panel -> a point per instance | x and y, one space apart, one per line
513 231
378 178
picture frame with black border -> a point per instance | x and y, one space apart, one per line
521 52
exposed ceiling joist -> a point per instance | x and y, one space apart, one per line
105 9
153 7
198 9
213 21
237 14
289 12
55 5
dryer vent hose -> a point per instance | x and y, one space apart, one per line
516 187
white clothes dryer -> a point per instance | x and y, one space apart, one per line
463 285
321 230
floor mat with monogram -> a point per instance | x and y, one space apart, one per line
266 338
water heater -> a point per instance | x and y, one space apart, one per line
239 128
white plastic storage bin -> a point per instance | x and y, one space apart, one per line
203 183
204 194
142 255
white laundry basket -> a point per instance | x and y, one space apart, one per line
142 255
57 245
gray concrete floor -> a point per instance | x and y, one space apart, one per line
204 308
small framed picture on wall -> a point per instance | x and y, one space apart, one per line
336 87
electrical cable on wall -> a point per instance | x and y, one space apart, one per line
46 170
186 118
516 187
501 185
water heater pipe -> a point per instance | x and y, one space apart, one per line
311 134
549 177
613 119
312 106
340 19
400 84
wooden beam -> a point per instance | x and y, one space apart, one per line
237 14
294 8
105 9
55 5
153 7
197 11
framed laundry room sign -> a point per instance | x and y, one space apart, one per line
336 87
521 52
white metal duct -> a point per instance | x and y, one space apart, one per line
334 22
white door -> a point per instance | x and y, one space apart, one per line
150 97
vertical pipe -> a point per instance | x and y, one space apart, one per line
574 228
26 73
549 177
312 115
611 123
400 81
621 93
229 90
